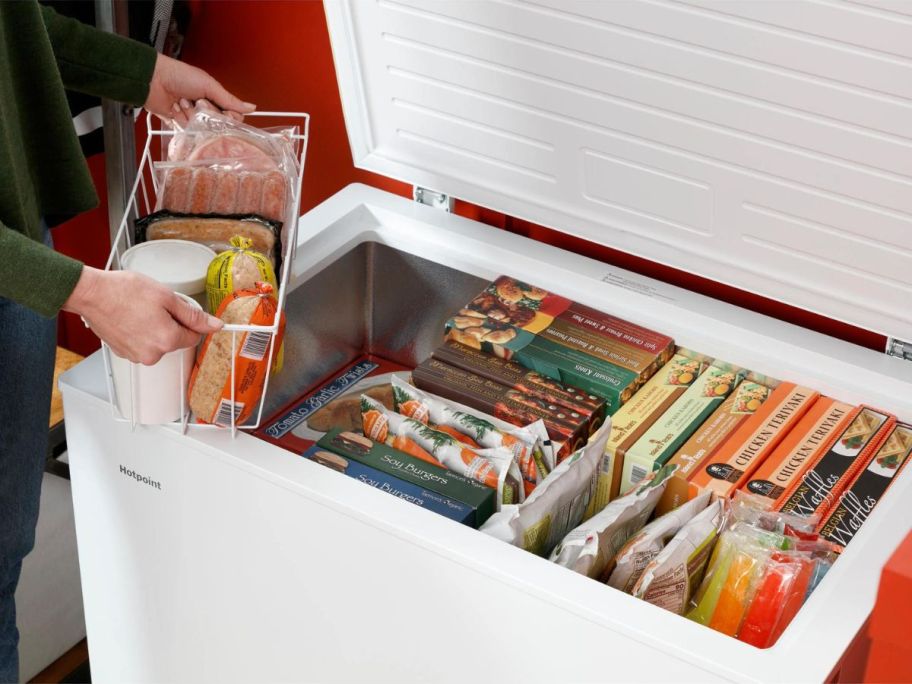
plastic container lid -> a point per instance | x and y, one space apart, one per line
177 264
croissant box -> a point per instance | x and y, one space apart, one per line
866 489
332 403
516 320
832 469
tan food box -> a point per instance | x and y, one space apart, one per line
740 405
633 419
742 453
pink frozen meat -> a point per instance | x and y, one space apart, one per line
201 191
250 194
176 189
226 193
274 193
248 156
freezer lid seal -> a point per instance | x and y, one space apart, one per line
763 145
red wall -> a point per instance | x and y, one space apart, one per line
277 55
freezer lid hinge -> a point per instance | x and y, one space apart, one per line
432 198
899 348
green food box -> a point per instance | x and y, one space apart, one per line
407 468
674 427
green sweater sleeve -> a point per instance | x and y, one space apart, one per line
46 280
99 63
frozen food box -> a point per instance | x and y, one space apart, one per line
445 484
518 377
675 426
334 402
516 320
868 486
740 405
377 479
814 434
636 416
742 453
501 402
831 470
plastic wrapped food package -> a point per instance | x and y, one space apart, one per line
238 268
646 544
590 548
671 577
459 421
212 397
494 467
557 504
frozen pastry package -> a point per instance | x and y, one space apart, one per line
525 443
590 548
557 504
671 578
642 547
494 467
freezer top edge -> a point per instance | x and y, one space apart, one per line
725 147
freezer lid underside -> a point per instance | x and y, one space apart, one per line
762 145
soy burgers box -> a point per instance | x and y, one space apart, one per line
743 452
831 470
865 490
813 436
442 489
333 403
568 341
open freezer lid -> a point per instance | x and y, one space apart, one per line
763 145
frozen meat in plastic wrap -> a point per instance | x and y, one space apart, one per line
590 548
494 467
557 504
219 166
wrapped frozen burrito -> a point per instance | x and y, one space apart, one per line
557 504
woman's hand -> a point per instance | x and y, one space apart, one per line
176 86
139 319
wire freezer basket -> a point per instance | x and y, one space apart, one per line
141 202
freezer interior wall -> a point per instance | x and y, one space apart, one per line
374 299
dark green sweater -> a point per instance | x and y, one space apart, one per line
42 169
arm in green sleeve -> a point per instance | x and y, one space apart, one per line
33 274
99 63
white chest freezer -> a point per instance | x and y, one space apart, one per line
760 144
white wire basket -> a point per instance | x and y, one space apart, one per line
142 201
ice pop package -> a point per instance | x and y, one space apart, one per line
671 578
557 504
646 544
525 443
590 548
493 467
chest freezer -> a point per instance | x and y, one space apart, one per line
211 558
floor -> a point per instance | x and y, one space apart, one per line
71 668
